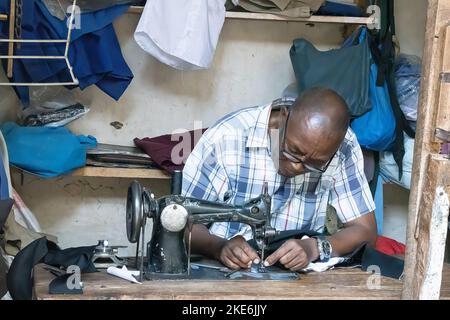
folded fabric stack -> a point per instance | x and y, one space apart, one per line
114 156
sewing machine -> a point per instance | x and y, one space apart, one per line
173 215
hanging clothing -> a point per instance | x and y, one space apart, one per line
181 34
58 8
287 8
94 52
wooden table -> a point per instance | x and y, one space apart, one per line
333 284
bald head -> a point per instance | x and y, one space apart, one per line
324 111
314 130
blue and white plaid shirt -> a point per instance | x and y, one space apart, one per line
232 160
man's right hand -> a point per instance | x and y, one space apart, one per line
236 253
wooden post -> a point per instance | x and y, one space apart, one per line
12 23
432 230
443 113
430 170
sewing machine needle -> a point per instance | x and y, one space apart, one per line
261 263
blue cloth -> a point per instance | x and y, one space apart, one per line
379 204
44 151
330 8
4 187
94 51
375 129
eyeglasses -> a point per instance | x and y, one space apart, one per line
295 159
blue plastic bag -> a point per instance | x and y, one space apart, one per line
46 152
375 130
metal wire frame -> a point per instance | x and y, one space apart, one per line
64 57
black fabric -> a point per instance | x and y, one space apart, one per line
5 209
276 242
59 286
362 257
383 53
3 270
389 266
345 70
19 278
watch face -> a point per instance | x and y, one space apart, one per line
326 247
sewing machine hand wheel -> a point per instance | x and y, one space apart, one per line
140 204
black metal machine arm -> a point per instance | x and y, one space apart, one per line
166 252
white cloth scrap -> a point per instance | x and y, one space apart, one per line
181 33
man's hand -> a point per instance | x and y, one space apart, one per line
294 254
236 253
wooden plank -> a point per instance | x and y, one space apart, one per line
334 284
443 114
438 17
113 173
121 173
12 20
432 228
430 288
274 17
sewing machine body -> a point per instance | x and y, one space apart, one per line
173 216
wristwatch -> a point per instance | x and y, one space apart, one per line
324 247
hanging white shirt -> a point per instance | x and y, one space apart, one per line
181 33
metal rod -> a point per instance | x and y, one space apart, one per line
32 41
28 84
74 79
69 33
34 57
11 56
189 251
141 268
137 254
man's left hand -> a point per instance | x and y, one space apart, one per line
294 254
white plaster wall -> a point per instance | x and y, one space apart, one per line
251 66
410 17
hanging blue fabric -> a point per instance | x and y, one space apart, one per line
375 129
4 185
44 151
94 52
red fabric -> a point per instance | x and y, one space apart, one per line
160 149
390 246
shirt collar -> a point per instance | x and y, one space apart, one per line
258 136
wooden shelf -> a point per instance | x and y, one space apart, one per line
121 173
372 20
100 172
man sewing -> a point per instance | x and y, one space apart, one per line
310 159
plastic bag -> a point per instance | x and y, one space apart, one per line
51 107
407 78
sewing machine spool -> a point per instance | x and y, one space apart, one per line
106 256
